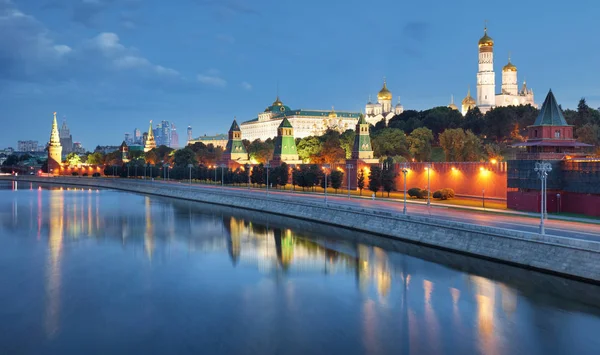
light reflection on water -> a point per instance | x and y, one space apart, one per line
151 275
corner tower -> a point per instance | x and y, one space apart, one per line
235 149
54 150
486 81
150 143
362 141
285 145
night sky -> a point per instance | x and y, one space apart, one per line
110 66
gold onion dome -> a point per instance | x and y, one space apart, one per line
384 93
486 41
452 106
469 100
277 102
509 67
332 114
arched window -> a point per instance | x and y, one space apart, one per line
557 134
535 133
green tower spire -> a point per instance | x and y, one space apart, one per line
235 149
285 144
362 141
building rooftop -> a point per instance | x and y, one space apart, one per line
550 113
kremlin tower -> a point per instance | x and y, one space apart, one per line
54 150
486 80
150 143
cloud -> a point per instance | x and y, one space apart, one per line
227 8
416 30
212 78
246 85
86 11
225 38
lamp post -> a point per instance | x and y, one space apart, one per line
267 165
190 166
135 166
348 168
325 167
428 184
483 198
145 166
128 170
215 180
542 169
404 171
249 171
222 166
165 171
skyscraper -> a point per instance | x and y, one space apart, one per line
174 137
66 140
189 133
137 136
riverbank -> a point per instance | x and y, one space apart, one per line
575 258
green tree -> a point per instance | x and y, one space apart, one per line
500 122
258 174
438 119
347 142
375 179
73 159
185 156
419 143
261 152
452 142
388 177
336 179
360 181
474 120
493 151
284 174
588 133
390 142
95 158
308 147
407 121
331 152
472 147
11 160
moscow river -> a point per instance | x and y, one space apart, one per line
105 272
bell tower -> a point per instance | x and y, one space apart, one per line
486 79
54 150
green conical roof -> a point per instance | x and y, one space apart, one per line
550 114
285 123
235 127
361 119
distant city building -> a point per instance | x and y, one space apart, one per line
66 140
305 122
27 146
78 148
105 149
189 134
510 94
137 136
375 112
54 149
127 138
174 143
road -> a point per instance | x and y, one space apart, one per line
492 218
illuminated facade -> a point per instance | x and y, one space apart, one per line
149 142
235 151
382 109
305 122
487 98
54 150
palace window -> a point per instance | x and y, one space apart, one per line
557 134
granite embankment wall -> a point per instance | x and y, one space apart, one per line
568 257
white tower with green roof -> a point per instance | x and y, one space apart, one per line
235 150
285 144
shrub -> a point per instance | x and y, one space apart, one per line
449 192
438 194
96 174
424 193
74 173
414 192
84 174
444 194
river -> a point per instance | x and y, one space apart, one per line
87 271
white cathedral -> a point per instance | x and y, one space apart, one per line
375 112
487 98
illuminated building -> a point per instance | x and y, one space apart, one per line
306 122
54 150
174 137
285 145
362 151
487 98
66 139
149 143
219 140
124 152
376 112
235 152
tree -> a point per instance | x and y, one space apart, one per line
588 133
284 174
308 147
375 179
336 179
419 143
407 121
73 159
390 142
261 152
360 182
257 175
438 119
347 142
474 120
185 156
493 151
388 176
472 147
331 152
452 142
11 160
95 158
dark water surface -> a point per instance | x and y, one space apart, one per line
105 272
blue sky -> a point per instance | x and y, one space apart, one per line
110 66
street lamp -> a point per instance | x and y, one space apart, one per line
165 171
190 166
222 166
267 165
348 168
404 171
325 167
428 167
135 166
483 198
128 170
215 180
542 169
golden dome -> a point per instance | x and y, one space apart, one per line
277 102
509 67
332 114
469 100
452 105
486 41
384 93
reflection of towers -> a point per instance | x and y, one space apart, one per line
55 238
362 267
485 295
284 247
149 231
235 228
383 276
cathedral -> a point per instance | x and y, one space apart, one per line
383 109
510 94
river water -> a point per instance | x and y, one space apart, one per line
104 272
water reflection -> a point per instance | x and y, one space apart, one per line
373 296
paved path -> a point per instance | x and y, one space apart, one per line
496 218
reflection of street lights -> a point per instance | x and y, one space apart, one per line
267 165
348 168
543 168
325 167
404 171
428 184
190 166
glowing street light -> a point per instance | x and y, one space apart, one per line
542 169
349 167
404 171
